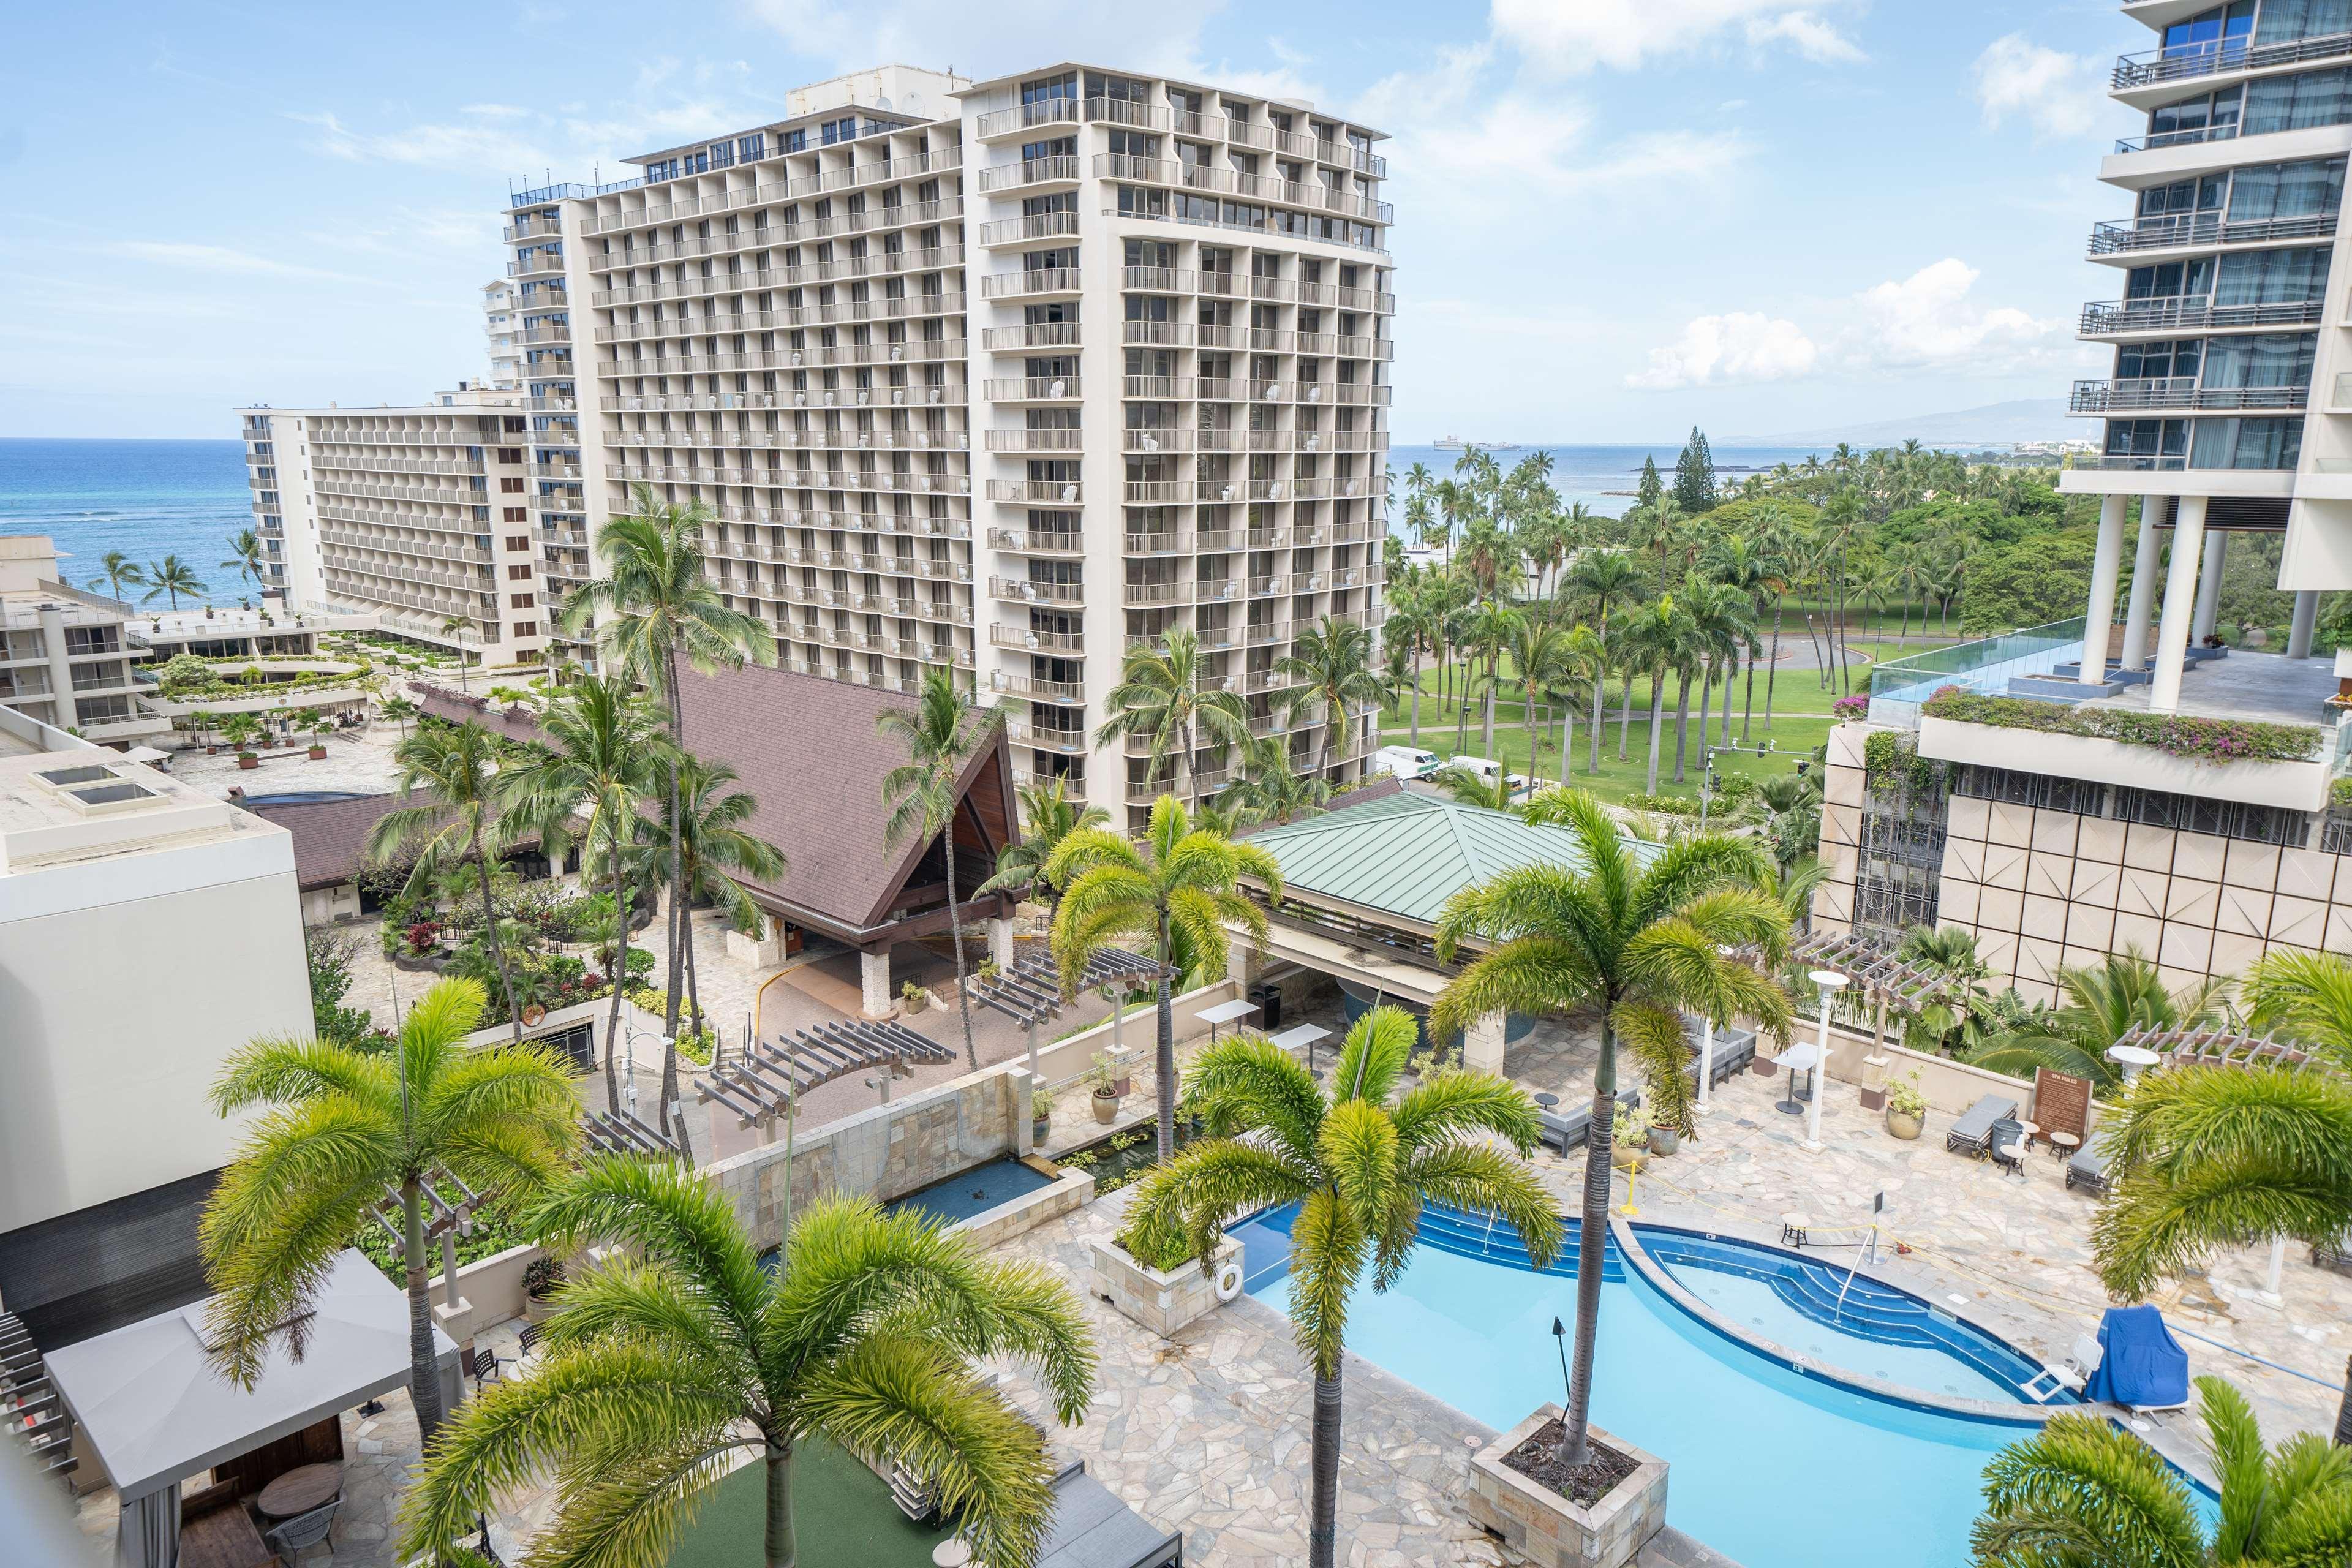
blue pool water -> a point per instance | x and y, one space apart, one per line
976 1191
1775 1470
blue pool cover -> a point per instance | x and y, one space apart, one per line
2143 1365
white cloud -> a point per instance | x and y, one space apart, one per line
1743 347
1571 36
189 257
2057 93
460 146
1929 321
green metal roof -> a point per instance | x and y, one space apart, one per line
1407 855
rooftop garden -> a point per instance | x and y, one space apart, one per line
2175 734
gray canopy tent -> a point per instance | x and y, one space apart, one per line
148 1402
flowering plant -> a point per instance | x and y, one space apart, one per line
2175 734
1850 707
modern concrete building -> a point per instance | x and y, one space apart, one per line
1005 376
65 657
503 332
420 515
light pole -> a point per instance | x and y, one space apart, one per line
1706 779
1828 982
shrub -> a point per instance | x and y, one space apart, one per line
1662 804
1154 1240
638 965
1903 1099
1855 707
1891 761
542 1277
2175 735
421 937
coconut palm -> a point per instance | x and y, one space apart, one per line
118 572
2082 1490
1164 695
2307 996
339 1128
245 558
1410 629
1788 808
1269 789
1332 663
602 746
661 1368
455 629
1658 641
461 822
1175 889
654 612
710 831
171 576
1638 937
1602 578
2103 1003
1539 652
399 709
1048 815
1494 791
925 793
1360 1163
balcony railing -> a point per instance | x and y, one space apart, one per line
2193 136
1058 169
2179 64
2174 230
1034 389
2133 463
2181 394
2194 313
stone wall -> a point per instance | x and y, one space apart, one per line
883 1153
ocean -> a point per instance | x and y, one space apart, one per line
146 499
153 499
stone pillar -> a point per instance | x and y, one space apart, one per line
2179 595
53 644
1025 1126
2298 634
2101 609
2209 588
999 942
1482 1044
763 949
2143 585
874 975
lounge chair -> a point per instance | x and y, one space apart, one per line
2073 1372
1566 1129
1735 1050
2088 1169
2006 1144
1973 1131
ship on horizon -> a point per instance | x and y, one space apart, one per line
1456 444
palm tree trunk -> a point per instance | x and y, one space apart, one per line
1772 671
1682 719
955 939
1625 715
1416 699
1163 1058
1657 722
490 936
781 1550
424 1374
2344 1411
1489 740
1592 1241
1748 702
677 920
1323 1531
1599 710
1706 696
617 973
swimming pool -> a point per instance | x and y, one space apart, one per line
1772 1467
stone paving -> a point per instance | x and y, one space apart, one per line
359 761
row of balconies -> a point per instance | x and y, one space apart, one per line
1033 335
1171 493
830 637
551 405
538 264
876 523
1204 127
1254 233
773 236
1184 438
1186 388
390 517
879 264
949 394
811 440
2192 231
866 173
777 590
1231 182
876 479
356 568
392 544
1189 542
329 452
2195 312
829 558
1243 286
1188 591
898 309
553 332
436 494
2182 396
920 351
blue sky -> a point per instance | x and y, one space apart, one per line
1616 219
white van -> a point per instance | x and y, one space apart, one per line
1486 768
1405 761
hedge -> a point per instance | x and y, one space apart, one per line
2176 735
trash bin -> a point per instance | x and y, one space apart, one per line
1268 1000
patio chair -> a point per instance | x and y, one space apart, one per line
1972 1132
2088 1169
1566 1129
2073 1372
2006 1143
290 1537
482 1366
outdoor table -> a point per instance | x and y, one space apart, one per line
300 1491
1225 1012
1801 1058
1546 1100
2025 1130
1302 1038
2064 1145
952 1552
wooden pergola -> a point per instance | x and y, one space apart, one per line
763 1080
1891 984
2221 1047
1030 993
608 1133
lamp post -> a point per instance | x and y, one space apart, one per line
2133 1060
1828 983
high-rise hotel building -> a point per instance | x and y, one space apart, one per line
1003 376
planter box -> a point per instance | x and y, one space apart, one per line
1164 1303
1547 1529
2298 786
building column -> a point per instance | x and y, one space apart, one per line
1482 1044
999 942
874 975
2143 585
2298 634
2179 596
2100 612
2208 589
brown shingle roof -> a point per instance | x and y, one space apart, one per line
330 836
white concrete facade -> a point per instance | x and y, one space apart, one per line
65 656
1002 378
418 514
502 331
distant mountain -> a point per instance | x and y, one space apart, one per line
1994 425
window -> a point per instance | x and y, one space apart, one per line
2314 188
795 141
517 541
751 147
526 628
2247 444
510 485
519 573
517 514
520 601
510 454
842 129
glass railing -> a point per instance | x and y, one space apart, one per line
1987 665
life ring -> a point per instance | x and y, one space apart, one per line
1229 1278
532 1014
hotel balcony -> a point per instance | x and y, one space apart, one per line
2157 68
1065 439
1036 541
1029 229
1038 389
1031 174
2203 231
2128 318
1022 590
2179 396
1033 283
1143 595
1062 743
1044 493
1067 693
1030 335
1023 638
1029 117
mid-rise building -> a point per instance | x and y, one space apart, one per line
65 656
419 515
2184 806
1005 376
503 332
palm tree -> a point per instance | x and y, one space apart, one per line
245 556
118 572
1776 538
659 1369
926 793
455 629
1719 629
655 609
1175 889
2102 1005
1269 789
399 709
1332 662
1048 815
1604 577
1788 808
1637 937
1410 628
709 832
1492 791
461 823
601 753
1163 695
2307 996
341 1128
1658 640
2083 1490
173 576
1359 1165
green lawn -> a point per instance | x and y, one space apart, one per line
1798 737
842 1517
